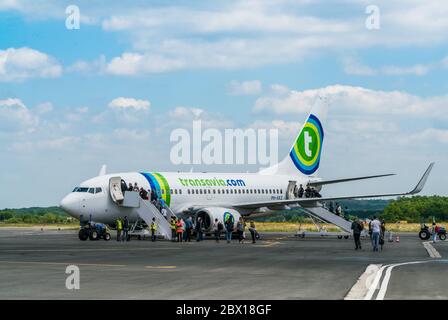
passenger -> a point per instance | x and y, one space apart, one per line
164 213
173 228
357 227
130 187
119 225
376 230
331 207
153 195
125 229
216 230
382 234
136 188
252 230
124 187
188 228
179 230
199 230
162 204
338 209
153 228
240 226
229 229
308 192
301 191
143 194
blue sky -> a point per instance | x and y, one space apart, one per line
112 91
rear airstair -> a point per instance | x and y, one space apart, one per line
327 216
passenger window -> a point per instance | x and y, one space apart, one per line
180 191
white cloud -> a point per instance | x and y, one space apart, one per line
349 99
88 67
134 63
122 103
417 70
45 107
24 63
14 115
245 88
182 112
353 66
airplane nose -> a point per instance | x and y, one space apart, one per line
70 205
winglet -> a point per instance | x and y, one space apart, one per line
422 181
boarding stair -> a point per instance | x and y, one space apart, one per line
145 209
327 216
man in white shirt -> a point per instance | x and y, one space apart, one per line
376 231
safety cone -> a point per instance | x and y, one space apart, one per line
397 239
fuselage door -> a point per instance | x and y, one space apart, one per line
115 190
290 191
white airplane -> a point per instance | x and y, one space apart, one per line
221 195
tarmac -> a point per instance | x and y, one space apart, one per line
280 266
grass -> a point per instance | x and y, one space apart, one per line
61 226
294 227
261 226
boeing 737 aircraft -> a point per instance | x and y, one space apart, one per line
219 195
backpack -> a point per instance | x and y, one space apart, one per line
220 226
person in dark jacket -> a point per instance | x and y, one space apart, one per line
357 227
301 191
125 229
198 229
229 229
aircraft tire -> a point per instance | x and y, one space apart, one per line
339 237
346 237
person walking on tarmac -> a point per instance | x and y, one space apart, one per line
125 229
240 229
199 231
153 228
179 230
173 228
229 229
376 231
216 230
119 225
357 227
188 228
253 231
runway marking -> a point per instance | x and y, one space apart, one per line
65 263
268 244
361 288
433 253
160 267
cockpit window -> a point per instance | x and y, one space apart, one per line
98 190
80 189
92 190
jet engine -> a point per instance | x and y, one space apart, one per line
209 215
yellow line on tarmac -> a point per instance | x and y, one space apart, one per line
269 244
89 249
160 267
64 263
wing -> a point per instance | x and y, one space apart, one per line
324 182
312 201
